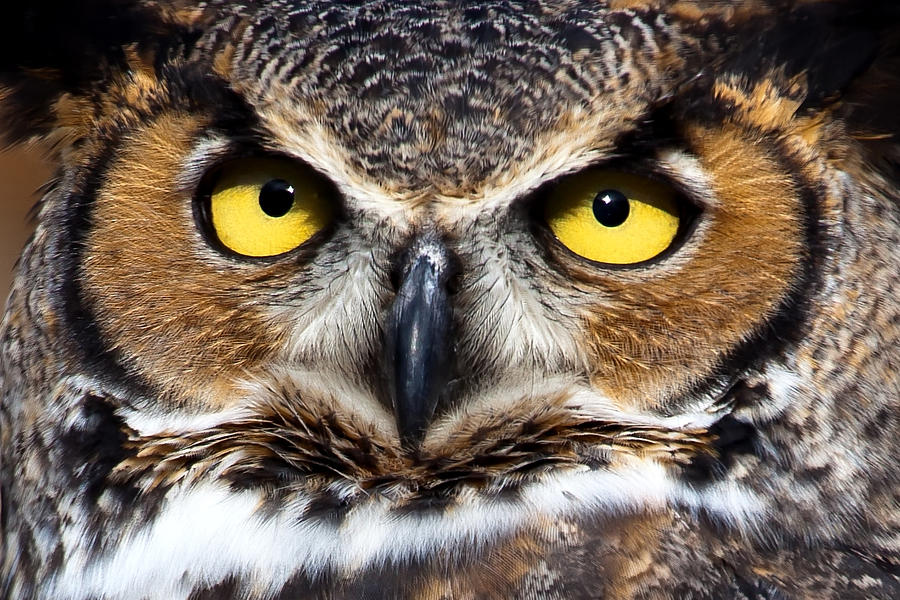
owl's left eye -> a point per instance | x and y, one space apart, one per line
613 217
267 206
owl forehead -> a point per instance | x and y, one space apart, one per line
448 94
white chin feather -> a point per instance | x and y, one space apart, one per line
206 532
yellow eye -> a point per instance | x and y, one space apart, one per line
267 206
613 217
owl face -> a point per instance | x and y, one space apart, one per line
419 275
434 171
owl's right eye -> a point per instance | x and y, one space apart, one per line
613 217
267 206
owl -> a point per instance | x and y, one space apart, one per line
538 299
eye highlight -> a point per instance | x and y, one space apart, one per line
267 206
613 217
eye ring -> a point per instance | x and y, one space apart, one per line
264 207
615 219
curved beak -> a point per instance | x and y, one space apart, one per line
418 338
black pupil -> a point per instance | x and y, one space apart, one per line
611 208
276 198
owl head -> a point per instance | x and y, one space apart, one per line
454 270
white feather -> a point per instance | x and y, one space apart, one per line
207 532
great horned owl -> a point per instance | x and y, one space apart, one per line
495 299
